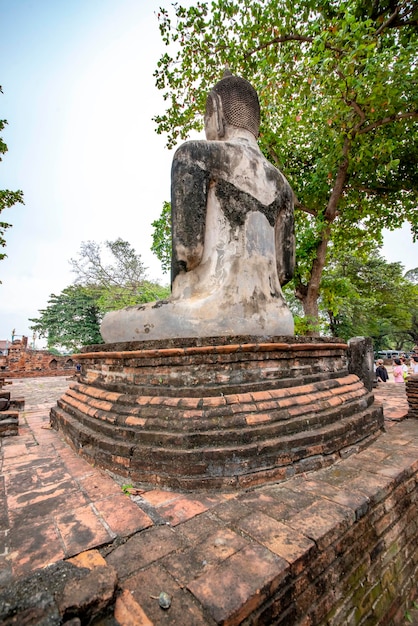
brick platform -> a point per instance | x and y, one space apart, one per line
334 546
216 415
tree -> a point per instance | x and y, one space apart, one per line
412 276
7 198
121 282
337 86
161 237
71 319
364 295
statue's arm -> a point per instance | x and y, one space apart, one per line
284 232
189 191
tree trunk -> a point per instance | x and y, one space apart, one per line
309 294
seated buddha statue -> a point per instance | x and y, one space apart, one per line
232 234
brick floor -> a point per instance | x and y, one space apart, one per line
217 555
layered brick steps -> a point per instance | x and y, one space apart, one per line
9 419
225 442
211 370
216 413
412 395
194 422
17 403
9 423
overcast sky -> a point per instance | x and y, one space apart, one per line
79 97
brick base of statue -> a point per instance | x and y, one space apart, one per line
412 395
218 413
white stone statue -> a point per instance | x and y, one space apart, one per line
233 234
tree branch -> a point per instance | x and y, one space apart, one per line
391 18
340 181
387 120
303 207
369 190
283 39
359 112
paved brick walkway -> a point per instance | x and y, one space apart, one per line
54 505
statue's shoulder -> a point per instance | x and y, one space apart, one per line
199 150
193 145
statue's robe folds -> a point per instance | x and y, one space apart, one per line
233 248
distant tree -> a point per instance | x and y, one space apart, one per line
364 295
7 198
338 91
71 319
412 275
161 237
121 280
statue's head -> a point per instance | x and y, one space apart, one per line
234 101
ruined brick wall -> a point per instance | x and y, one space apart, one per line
381 554
22 362
360 571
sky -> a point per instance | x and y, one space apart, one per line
79 97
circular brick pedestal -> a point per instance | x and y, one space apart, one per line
216 413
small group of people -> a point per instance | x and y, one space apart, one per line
400 369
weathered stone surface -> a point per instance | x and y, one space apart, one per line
56 594
89 596
361 359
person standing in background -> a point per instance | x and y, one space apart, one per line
398 371
413 364
381 372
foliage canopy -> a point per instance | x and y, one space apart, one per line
117 273
337 83
161 237
7 198
72 318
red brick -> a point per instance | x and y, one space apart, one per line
189 403
257 418
143 549
122 515
240 584
192 415
259 396
143 400
181 509
209 552
228 349
146 587
292 546
135 421
128 612
214 401
81 529
156 497
166 401
322 521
